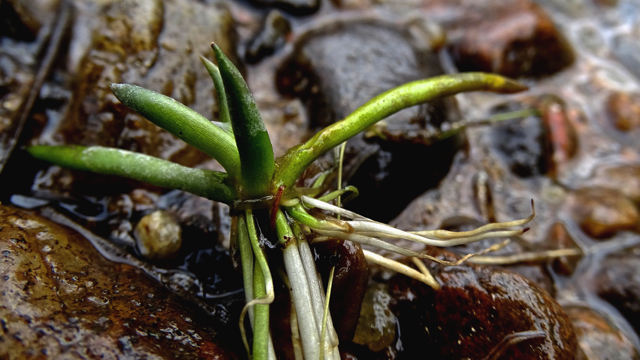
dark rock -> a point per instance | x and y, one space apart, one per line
295 7
602 212
349 282
475 309
535 273
618 282
624 110
62 298
17 21
598 337
522 143
271 37
280 309
16 81
512 38
334 78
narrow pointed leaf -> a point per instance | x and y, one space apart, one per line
256 153
182 122
159 172
293 163
214 72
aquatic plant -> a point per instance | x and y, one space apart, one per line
256 184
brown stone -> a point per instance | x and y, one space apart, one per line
349 282
474 310
598 337
514 38
624 178
61 298
624 110
603 212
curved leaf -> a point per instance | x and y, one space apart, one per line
293 163
209 184
182 122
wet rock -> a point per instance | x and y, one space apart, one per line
624 178
535 273
475 309
513 38
150 43
522 143
16 81
627 50
333 78
271 37
62 298
377 324
559 132
598 337
624 110
158 236
349 282
618 282
295 7
559 238
603 212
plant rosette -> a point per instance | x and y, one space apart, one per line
256 184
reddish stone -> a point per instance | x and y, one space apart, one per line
514 38
473 312
624 110
598 337
603 212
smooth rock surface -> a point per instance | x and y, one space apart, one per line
475 309
62 299
602 212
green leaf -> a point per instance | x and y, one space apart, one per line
214 72
182 122
209 184
256 153
293 163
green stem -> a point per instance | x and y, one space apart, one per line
261 317
262 289
210 184
246 259
293 163
182 122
